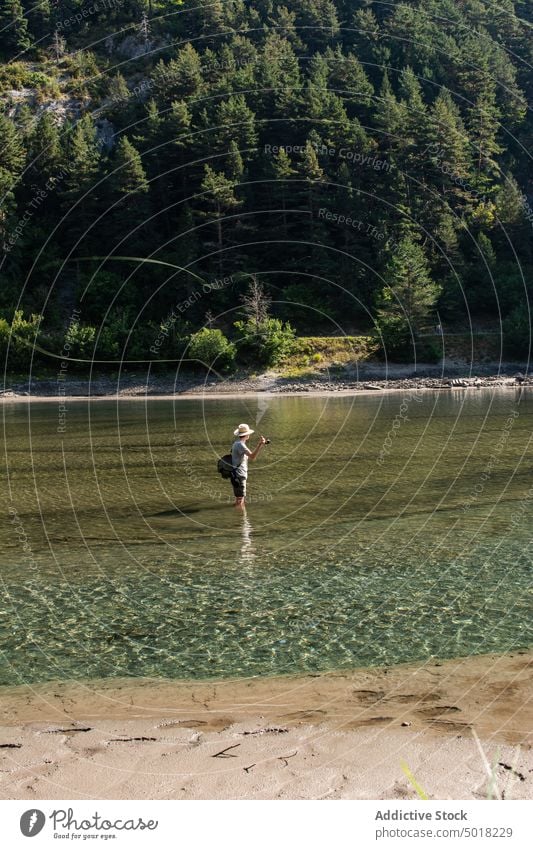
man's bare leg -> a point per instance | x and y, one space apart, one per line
239 503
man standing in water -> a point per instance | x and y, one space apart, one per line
239 458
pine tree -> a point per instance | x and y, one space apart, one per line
186 248
483 126
369 41
83 156
474 71
410 294
512 101
285 23
128 193
177 133
322 105
118 91
220 199
282 165
7 208
14 29
236 121
12 154
187 71
153 121
412 97
278 78
212 19
309 168
390 117
79 191
178 124
128 177
509 202
447 259
445 230
39 18
235 165
317 95
348 78
320 16
45 151
237 13
486 251
447 153
282 171
154 153
149 132
24 120
180 78
336 126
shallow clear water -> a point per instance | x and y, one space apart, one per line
380 529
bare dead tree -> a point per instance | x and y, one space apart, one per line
144 28
256 303
59 46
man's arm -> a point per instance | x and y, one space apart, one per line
259 445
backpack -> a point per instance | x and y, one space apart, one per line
225 466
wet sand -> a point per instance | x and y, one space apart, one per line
461 727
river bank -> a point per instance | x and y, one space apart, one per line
460 728
371 378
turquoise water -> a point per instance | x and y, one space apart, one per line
380 529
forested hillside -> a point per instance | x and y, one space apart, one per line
351 164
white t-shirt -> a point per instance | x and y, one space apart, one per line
239 457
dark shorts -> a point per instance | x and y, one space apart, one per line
239 486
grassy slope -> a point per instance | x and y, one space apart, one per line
315 353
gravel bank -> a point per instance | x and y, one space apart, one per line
370 378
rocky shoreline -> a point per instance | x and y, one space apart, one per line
370 378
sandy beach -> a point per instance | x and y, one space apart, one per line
460 728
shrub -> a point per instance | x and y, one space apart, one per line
18 339
13 75
264 343
113 336
4 339
46 87
108 344
212 349
122 340
17 76
79 340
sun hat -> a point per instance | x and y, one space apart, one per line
243 430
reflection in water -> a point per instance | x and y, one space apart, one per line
247 547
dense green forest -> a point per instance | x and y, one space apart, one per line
262 169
